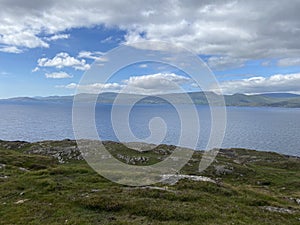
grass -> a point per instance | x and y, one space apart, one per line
36 189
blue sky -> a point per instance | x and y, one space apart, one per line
46 47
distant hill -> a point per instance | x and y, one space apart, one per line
280 95
269 100
21 99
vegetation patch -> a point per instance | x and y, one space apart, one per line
261 188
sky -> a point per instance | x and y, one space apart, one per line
47 46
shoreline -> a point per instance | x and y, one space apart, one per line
143 145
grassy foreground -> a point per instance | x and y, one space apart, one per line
49 183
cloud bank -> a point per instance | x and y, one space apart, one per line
237 29
63 59
162 83
253 85
151 84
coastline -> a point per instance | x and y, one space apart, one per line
18 144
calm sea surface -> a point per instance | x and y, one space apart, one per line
267 129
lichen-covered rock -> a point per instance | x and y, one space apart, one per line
278 209
174 178
223 169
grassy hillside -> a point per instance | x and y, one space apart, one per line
49 183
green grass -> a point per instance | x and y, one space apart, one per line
72 193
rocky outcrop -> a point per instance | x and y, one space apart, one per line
14 144
278 209
133 159
172 179
63 152
223 169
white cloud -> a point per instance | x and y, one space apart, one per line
58 75
107 40
95 87
143 66
26 39
35 69
10 49
68 86
274 83
224 62
92 55
63 59
289 62
155 83
57 37
238 29
151 84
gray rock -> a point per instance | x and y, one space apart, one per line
23 169
2 166
151 188
278 209
223 170
133 159
174 178
63 153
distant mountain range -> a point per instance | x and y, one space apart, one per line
269 99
